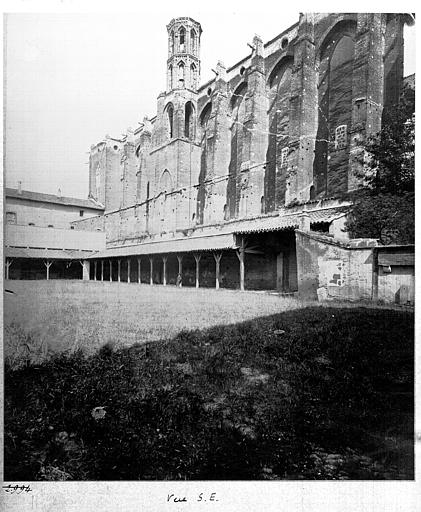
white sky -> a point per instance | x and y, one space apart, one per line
73 78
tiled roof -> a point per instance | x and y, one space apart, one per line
290 221
51 198
188 244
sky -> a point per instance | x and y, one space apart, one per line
70 79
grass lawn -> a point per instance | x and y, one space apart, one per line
259 388
55 316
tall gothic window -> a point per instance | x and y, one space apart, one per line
189 121
277 152
170 114
331 160
193 41
238 132
181 74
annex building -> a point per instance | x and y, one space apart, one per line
211 189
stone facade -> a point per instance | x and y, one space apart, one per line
283 126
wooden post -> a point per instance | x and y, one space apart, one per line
102 270
118 270
95 263
197 258
138 271
128 270
111 270
164 270
217 257
86 265
8 263
48 264
241 254
151 270
180 270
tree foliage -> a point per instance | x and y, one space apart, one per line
385 207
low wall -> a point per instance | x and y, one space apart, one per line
358 269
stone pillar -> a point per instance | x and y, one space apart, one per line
111 270
197 259
86 267
102 270
151 270
180 270
255 135
217 256
118 270
304 221
128 270
241 254
95 267
139 276
303 115
164 270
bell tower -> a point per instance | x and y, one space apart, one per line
183 64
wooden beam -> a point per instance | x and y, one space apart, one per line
118 270
102 270
139 280
95 264
111 270
128 270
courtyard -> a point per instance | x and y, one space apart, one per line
63 315
118 381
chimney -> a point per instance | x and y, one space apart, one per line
59 192
19 187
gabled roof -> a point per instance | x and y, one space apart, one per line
51 198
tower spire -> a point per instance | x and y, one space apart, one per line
183 64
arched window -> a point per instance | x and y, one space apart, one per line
182 39
331 160
189 121
277 151
193 75
170 114
193 41
181 74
